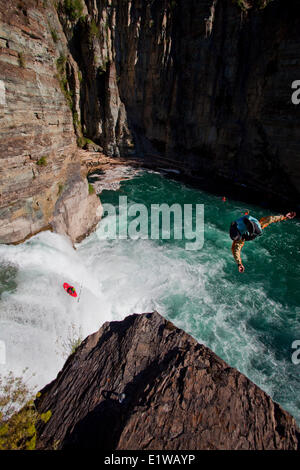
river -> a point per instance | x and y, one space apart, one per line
250 320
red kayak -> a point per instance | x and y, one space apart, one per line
70 289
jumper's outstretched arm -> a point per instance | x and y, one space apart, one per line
236 251
271 219
265 221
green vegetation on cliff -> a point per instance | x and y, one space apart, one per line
18 414
94 30
42 161
73 9
63 81
69 94
54 35
91 189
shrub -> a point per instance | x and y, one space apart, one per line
94 30
81 141
77 123
46 416
89 141
61 63
63 82
54 35
19 432
73 9
42 161
91 189
18 414
14 393
60 188
75 345
72 342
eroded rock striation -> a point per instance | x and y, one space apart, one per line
177 395
39 161
205 85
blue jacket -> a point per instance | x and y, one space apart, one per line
242 228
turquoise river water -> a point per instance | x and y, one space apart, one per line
250 320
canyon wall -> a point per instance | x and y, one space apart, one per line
39 161
144 384
203 84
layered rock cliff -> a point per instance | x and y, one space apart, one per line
142 383
205 85
39 162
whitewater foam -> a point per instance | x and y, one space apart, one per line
245 319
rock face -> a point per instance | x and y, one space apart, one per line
205 83
178 395
39 162
77 212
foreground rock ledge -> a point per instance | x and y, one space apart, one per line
178 395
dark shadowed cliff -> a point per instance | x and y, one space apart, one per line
204 84
178 395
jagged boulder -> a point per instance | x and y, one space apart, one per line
142 383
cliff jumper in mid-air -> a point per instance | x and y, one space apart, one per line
247 228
